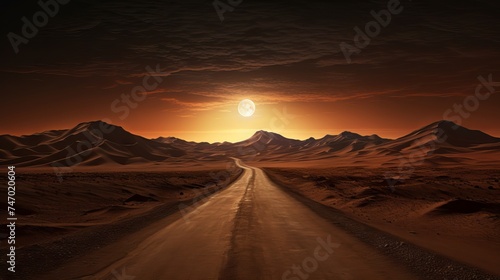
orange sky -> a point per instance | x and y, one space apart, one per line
299 120
194 69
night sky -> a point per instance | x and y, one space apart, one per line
92 57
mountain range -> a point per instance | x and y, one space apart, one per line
98 143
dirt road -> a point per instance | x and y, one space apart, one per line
252 230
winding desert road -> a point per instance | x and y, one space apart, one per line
252 230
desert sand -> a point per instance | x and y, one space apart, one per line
455 213
95 197
84 211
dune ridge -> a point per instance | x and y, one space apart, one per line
98 143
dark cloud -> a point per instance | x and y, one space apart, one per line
277 50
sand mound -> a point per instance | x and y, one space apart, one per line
140 198
108 210
194 186
84 145
366 192
463 206
364 202
87 145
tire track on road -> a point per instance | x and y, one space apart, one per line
239 259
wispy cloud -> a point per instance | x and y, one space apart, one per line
273 51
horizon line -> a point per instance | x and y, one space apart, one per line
252 133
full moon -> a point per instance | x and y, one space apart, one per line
246 108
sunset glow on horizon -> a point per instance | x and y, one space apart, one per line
239 139
188 82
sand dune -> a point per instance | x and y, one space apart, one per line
50 209
464 206
448 205
86 144
100 144
454 212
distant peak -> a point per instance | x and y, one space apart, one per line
443 124
170 140
94 123
374 136
348 134
97 125
264 133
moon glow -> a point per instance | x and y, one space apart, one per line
246 108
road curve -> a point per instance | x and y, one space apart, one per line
252 230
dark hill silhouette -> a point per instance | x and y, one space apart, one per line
96 143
